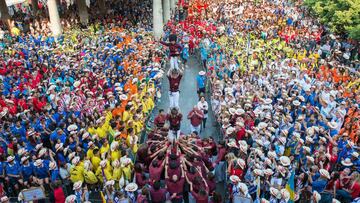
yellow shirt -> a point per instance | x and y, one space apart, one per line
149 104
126 116
115 155
116 174
90 177
90 153
127 172
132 140
138 126
101 132
95 161
104 148
100 177
92 131
76 173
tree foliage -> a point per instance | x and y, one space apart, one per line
341 16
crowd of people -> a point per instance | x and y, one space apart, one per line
71 104
284 92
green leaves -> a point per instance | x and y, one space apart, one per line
341 16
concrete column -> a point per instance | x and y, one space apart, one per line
83 12
172 5
54 18
4 12
157 18
166 9
102 7
34 6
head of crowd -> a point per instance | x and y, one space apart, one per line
284 91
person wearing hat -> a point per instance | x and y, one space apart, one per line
4 199
201 83
13 172
320 183
174 77
27 169
77 170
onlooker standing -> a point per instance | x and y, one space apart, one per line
201 83
204 107
174 76
196 117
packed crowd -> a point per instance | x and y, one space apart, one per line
71 104
285 92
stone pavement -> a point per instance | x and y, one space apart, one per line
188 98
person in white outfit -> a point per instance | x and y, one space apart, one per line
174 76
204 107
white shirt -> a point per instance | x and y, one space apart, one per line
203 106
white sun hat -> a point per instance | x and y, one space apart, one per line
131 187
285 161
324 173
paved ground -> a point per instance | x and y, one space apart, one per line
188 98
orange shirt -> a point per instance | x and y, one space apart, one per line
116 112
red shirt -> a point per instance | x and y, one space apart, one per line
355 190
174 83
160 120
240 134
158 196
174 121
196 116
155 173
175 187
199 198
140 181
59 195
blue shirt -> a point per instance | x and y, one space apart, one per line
27 171
201 81
319 185
13 169
55 175
42 171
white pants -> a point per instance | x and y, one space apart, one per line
174 62
195 128
173 136
174 99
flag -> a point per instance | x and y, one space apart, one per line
258 187
103 200
290 186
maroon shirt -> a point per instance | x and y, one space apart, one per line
221 155
140 181
158 196
174 121
155 172
176 171
175 187
196 116
175 49
212 185
174 83
199 198
160 120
